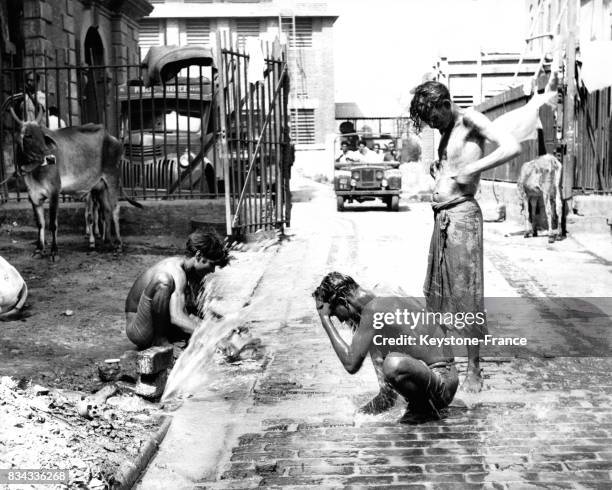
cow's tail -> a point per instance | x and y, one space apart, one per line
118 155
131 201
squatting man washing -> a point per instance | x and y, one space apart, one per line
161 305
425 375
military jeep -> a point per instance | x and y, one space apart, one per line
364 175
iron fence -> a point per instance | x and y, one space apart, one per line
167 130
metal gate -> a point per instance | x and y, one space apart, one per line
255 142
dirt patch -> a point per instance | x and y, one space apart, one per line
74 320
75 307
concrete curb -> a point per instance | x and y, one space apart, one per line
129 472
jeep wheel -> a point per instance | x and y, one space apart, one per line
340 203
394 203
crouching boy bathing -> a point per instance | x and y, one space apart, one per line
425 375
162 305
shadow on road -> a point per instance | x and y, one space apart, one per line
362 209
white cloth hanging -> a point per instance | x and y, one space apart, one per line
257 63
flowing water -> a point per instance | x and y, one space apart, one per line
192 371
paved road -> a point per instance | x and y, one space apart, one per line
290 420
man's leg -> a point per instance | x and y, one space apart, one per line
151 324
425 391
473 379
385 400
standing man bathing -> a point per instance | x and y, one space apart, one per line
455 280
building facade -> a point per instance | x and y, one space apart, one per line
307 26
547 22
46 33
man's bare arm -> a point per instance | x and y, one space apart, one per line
351 356
178 311
507 146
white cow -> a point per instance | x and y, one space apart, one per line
541 178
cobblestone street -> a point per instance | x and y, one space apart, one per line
538 423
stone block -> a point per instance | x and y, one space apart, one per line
70 7
151 385
32 10
33 28
46 12
68 23
155 359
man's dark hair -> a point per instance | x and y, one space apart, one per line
209 244
363 142
426 96
335 288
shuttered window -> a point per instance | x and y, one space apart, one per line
247 28
198 31
303 126
149 35
463 101
303 32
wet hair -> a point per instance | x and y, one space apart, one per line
209 244
428 94
335 289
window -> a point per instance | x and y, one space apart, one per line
149 35
463 101
303 126
303 32
248 27
198 31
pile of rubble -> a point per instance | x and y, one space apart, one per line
43 428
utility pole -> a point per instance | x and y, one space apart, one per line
569 116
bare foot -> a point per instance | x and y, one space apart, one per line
415 418
473 381
379 404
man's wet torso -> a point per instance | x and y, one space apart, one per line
458 148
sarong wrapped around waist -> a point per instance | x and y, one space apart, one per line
454 281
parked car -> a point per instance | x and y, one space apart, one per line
167 128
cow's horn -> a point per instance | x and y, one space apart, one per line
39 114
19 121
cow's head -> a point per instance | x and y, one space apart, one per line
35 143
